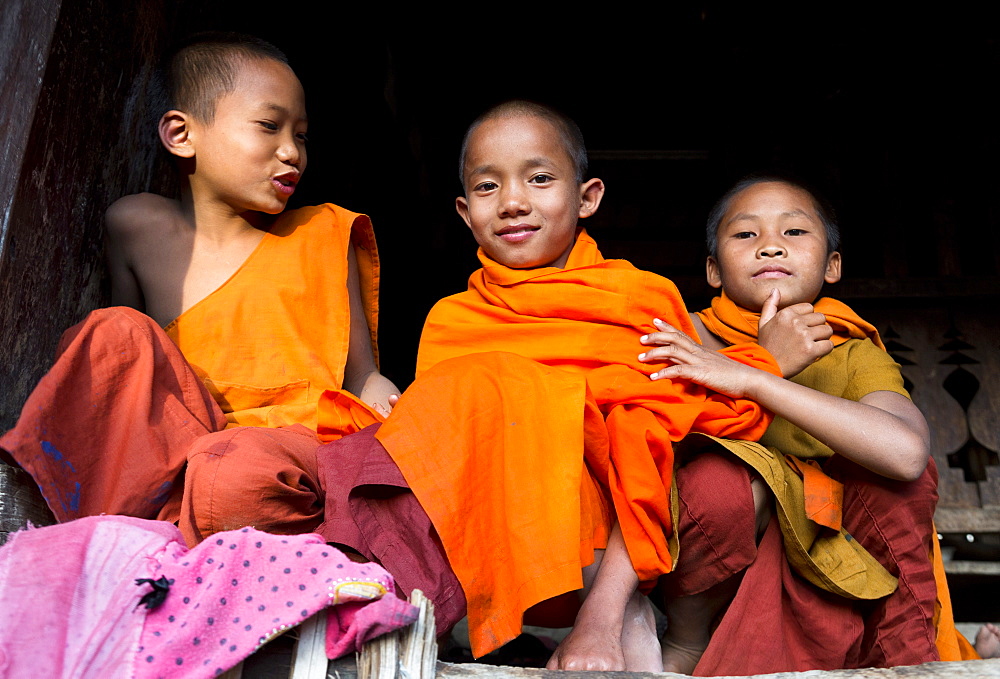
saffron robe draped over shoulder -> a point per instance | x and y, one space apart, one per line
900 517
130 418
529 395
270 340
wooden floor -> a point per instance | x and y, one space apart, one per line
347 669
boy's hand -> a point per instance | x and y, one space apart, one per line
385 410
796 336
696 363
380 393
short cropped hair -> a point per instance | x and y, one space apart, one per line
719 210
205 67
572 137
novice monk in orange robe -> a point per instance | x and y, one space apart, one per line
772 248
211 423
531 437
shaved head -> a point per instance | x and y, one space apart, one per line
206 67
569 131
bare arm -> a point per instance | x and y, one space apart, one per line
121 221
361 376
883 432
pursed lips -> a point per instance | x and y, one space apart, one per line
285 183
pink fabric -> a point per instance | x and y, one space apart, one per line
68 598
76 611
350 625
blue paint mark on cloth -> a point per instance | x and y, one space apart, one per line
56 456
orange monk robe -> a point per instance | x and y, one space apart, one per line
274 337
734 324
121 423
563 407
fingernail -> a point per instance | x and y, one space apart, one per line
654 376
644 338
642 356
657 320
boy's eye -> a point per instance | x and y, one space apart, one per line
795 232
485 186
301 136
743 235
540 179
268 125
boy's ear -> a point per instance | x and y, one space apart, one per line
175 134
462 206
832 274
591 192
712 272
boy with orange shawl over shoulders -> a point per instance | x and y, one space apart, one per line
847 460
194 400
532 436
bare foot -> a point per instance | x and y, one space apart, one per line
689 624
640 646
988 641
589 648
679 657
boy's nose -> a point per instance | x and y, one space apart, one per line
513 203
771 251
289 152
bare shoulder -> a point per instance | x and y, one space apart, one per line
141 213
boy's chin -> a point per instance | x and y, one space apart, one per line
272 209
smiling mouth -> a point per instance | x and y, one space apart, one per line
517 233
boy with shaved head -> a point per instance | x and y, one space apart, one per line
846 462
532 436
195 401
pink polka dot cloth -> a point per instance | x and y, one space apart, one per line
217 603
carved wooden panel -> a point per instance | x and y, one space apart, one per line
950 356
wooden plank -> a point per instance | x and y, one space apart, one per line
967 520
379 658
309 658
233 672
972 567
20 502
409 653
989 490
418 654
975 669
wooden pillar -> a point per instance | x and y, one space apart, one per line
69 145
26 29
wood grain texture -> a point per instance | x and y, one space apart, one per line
976 669
953 429
72 147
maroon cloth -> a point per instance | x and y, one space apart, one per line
369 508
894 521
716 527
121 424
107 428
777 620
